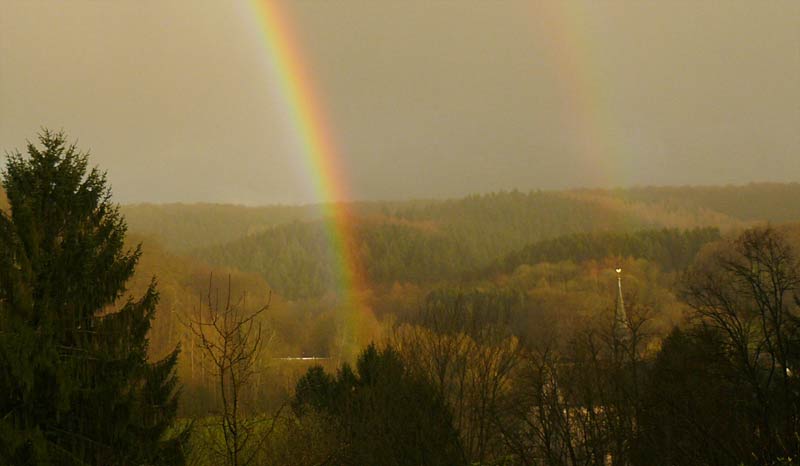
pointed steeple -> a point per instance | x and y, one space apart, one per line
621 328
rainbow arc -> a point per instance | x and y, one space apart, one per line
320 157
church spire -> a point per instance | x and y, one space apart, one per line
620 316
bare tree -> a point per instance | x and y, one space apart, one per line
232 338
746 290
465 346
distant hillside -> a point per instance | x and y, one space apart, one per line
433 240
772 202
423 242
495 224
671 249
182 227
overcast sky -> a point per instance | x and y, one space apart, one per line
179 102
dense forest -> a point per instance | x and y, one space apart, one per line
184 227
671 249
647 326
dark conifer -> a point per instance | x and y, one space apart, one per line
381 413
75 383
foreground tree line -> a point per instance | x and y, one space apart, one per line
473 377
720 390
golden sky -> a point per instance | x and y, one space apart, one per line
178 100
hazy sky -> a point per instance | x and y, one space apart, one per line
179 100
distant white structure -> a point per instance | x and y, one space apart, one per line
621 324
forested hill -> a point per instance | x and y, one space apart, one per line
671 249
418 244
772 202
428 241
182 227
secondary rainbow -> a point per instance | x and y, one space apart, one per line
569 31
322 162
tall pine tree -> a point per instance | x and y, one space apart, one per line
76 387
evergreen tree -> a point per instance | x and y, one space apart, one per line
381 413
76 387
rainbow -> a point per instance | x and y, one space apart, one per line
322 162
